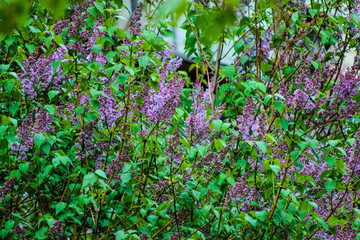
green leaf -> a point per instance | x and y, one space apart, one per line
111 30
58 40
39 139
217 125
329 186
99 6
40 234
330 161
4 67
121 235
218 144
295 16
323 223
46 147
55 65
96 48
154 85
202 150
24 167
14 107
275 168
95 103
261 145
60 206
357 211
284 124
153 219
230 71
89 178
313 204
121 78
285 193
50 109
333 221
317 65
9 225
261 215
101 173
92 11
8 85
52 94
143 61
278 105
295 154
125 177
225 126
3 128
261 86
313 12
333 143
313 143
56 162
251 220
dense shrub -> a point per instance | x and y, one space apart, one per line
102 137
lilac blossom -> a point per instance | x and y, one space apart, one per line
109 108
160 106
39 75
84 142
7 188
173 151
246 120
115 167
144 237
197 127
40 124
57 228
135 24
301 101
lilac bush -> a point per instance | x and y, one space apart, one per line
102 136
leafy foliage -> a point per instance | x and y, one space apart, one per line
102 137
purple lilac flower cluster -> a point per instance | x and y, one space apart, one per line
176 236
241 193
135 24
39 75
77 21
144 237
160 106
29 127
84 142
108 108
115 167
310 100
7 188
57 228
211 160
197 127
353 159
173 150
168 65
246 122
160 186
60 25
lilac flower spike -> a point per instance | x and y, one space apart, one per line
7 188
